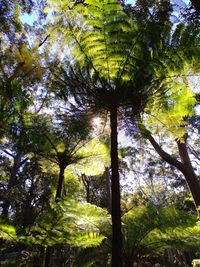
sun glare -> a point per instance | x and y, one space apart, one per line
97 122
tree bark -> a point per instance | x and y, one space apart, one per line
128 263
185 166
47 257
86 183
108 188
18 162
115 190
164 155
28 217
190 176
60 183
49 249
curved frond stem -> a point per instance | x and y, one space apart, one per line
51 143
106 49
124 63
8 153
76 148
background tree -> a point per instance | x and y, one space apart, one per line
178 100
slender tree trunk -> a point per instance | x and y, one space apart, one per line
28 217
128 263
108 188
12 181
47 257
49 249
86 183
60 183
115 189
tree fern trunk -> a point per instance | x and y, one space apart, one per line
128 263
49 249
108 188
116 208
60 183
47 257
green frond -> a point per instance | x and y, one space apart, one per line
153 229
94 12
96 24
169 112
116 27
94 163
69 222
107 5
95 3
7 230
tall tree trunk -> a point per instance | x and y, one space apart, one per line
115 189
108 188
47 256
128 263
60 182
28 217
49 249
86 183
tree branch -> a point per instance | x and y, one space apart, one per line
164 155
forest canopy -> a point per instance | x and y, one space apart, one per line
99 133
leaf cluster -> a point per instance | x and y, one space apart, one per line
69 222
148 229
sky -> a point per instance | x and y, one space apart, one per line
31 18
130 1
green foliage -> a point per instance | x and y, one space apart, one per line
72 185
104 38
95 156
169 114
7 230
196 263
174 53
57 139
109 58
69 222
152 229
67 143
27 62
9 20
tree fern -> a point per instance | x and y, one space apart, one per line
150 230
113 64
106 29
69 222
106 41
169 113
